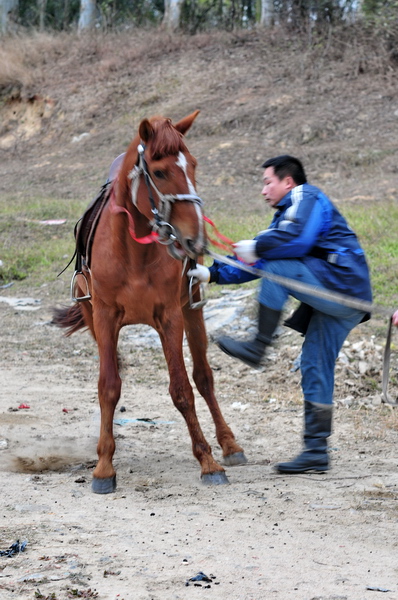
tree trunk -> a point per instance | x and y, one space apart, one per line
88 14
8 15
172 14
42 5
267 13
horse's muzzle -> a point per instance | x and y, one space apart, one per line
183 248
195 248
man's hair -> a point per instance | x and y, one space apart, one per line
287 165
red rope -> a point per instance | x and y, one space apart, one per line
154 237
228 245
115 209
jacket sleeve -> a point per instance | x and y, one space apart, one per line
226 274
298 228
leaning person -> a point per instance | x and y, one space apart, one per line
310 242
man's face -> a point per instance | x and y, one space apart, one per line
274 188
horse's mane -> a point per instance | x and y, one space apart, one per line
166 140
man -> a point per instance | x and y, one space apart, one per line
307 241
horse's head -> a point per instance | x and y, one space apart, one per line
163 182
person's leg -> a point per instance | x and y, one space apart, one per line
322 344
252 351
272 298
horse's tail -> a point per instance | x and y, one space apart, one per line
70 318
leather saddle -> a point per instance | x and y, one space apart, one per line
86 226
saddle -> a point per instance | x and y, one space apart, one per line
86 226
84 236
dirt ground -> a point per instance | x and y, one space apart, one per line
263 536
306 537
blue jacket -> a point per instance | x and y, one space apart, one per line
308 226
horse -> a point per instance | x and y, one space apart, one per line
148 232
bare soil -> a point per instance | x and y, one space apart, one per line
307 537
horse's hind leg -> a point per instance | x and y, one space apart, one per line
202 374
171 335
109 388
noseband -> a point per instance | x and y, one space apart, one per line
160 223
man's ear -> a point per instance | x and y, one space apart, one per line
289 183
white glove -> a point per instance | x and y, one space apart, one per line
200 273
245 250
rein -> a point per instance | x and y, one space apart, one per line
162 231
115 208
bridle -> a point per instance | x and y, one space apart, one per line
163 232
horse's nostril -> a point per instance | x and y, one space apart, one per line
195 247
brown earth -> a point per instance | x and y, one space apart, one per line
329 537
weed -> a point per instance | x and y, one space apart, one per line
41 596
75 593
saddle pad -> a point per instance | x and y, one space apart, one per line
86 226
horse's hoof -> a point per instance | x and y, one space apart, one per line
103 486
238 458
217 478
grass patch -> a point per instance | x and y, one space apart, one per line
374 225
33 250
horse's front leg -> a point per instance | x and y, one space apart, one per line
109 388
202 374
170 329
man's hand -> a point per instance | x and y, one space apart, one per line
245 250
200 273
395 318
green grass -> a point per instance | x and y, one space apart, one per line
375 225
37 253
33 250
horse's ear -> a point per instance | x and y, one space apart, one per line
185 124
145 130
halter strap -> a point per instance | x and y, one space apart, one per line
115 209
162 213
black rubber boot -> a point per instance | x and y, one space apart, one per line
252 352
318 427
300 319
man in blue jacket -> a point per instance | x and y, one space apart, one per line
308 241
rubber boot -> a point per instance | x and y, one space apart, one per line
252 352
300 319
318 427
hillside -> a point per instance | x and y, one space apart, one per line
70 105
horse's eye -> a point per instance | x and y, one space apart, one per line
159 174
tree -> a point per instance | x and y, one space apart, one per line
8 15
172 14
267 13
88 14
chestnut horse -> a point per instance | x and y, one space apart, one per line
150 229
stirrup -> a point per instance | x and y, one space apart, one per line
200 304
72 288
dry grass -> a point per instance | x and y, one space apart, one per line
367 429
28 60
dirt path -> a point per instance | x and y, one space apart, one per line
329 536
